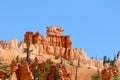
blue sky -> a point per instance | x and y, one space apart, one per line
92 24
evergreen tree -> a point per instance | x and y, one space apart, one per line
104 59
55 74
114 57
38 75
108 60
46 68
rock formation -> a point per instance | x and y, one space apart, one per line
108 73
54 44
2 74
54 30
54 38
21 71
62 73
25 73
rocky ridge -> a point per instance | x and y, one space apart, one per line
55 44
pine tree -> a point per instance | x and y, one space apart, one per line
47 68
108 60
38 74
27 50
104 59
115 57
55 74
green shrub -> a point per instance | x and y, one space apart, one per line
3 67
38 75
116 78
47 67
7 76
96 77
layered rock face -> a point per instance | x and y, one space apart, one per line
55 43
54 38
108 72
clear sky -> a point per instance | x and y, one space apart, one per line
92 24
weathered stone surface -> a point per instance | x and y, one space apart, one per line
82 53
5 45
28 37
62 51
55 44
62 73
54 38
25 73
54 30
22 71
2 74
76 53
41 49
59 45
13 67
107 74
14 44
71 55
57 51
67 51
45 49
50 50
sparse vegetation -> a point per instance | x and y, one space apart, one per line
47 68
116 77
3 67
38 75
106 60
96 77
7 76
92 58
55 74
26 49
